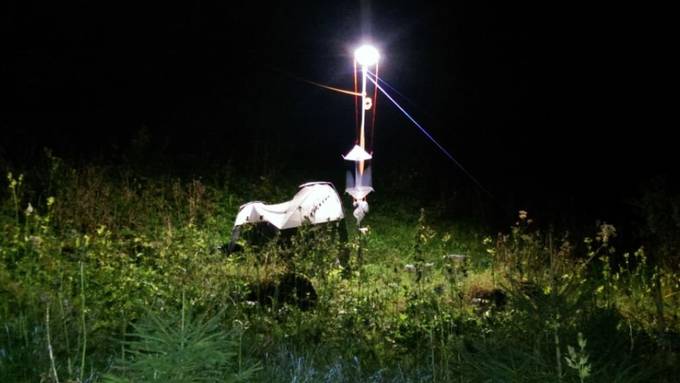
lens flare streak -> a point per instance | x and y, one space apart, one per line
427 134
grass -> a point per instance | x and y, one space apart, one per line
97 275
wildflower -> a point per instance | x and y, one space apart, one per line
522 214
410 268
29 209
606 232
363 230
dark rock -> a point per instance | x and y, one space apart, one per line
293 289
489 298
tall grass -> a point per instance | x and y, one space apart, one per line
108 272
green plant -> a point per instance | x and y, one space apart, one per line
578 359
15 186
424 236
182 347
82 267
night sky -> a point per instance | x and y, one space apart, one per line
549 106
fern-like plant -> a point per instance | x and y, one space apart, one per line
183 348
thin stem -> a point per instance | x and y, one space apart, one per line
182 323
16 204
66 337
556 316
82 320
240 350
122 344
434 370
49 344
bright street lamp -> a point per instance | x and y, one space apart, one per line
366 55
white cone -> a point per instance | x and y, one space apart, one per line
357 154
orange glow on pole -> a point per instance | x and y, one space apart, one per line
362 136
356 100
365 55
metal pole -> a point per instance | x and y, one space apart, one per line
362 137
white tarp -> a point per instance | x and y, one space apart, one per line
317 202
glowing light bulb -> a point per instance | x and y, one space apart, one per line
366 55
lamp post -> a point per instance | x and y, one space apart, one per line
359 184
365 56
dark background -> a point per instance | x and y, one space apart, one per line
552 107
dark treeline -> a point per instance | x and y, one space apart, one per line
535 108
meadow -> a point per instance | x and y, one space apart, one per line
110 274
